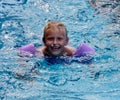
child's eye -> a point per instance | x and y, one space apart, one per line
50 39
60 38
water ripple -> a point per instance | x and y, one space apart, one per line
13 3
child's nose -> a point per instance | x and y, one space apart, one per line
55 41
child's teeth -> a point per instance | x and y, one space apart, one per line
55 46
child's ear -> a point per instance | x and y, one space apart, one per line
67 40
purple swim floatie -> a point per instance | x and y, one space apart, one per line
28 49
85 53
84 50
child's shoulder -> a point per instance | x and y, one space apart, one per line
40 50
70 50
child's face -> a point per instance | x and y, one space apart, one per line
55 40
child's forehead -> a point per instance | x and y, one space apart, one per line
55 31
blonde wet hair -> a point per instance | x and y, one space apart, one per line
54 24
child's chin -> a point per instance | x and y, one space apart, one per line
56 53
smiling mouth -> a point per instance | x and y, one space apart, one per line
55 47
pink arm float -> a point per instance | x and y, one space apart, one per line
30 48
82 51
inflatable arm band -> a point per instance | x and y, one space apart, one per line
28 49
82 50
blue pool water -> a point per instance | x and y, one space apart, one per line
22 22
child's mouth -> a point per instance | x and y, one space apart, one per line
55 47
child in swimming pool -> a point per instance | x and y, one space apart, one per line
55 41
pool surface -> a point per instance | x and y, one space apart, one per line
22 22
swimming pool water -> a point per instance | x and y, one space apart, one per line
22 22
